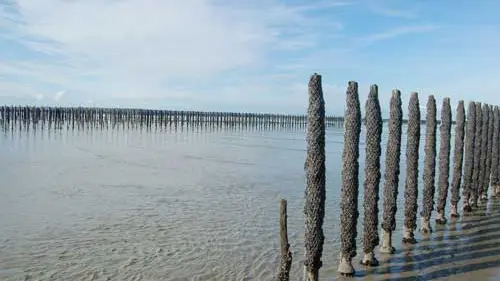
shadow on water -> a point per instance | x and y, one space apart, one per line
417 263
448 272
471 247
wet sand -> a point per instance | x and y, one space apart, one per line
182 206
467 248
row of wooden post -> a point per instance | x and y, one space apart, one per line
475 167
111 117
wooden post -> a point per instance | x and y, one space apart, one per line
286 254
373 125
458 156
350 181
314 208
411 185
469 156
393 155
429 167
444 161
495 152
477 155
484 152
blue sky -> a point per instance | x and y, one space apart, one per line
242 55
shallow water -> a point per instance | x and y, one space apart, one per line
189 204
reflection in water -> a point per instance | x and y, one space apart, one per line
190 204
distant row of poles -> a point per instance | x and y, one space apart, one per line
474 168
80 117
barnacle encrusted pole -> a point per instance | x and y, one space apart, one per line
484 152
286 254
350 172
429 166
477 155
391 174
411 185
458 156
495 151
314 208
444 160
469 156
373 122
487 176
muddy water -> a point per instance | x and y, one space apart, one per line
192 205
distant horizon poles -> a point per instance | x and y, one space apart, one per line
29 117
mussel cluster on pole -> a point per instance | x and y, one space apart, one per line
350 182
314 208
458 156
392 171
411 186
373 123
429 166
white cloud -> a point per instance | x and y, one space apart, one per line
147 48
59 95
390 8
395 32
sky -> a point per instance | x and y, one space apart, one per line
245 55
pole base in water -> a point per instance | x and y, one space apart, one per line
480 200
440 219
386 247
473 201
454 211
345 267
425 226
408 236
494 190
484 197
311 276
467 208
369 260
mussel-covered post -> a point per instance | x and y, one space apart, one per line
469 156
286 254
350 181
373 124
444 160
477 155
392 158
411 185
484 152
429 166
495 151
314 208
458 157
487 176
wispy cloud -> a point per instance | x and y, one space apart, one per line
147 48
239 55
59 95
396 32
395 9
